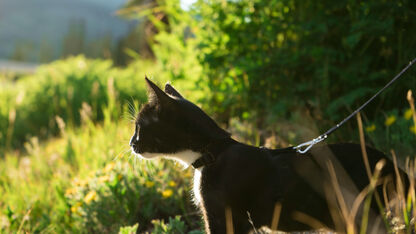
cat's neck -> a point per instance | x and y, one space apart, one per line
185 157
196 159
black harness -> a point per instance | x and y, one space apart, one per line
211 152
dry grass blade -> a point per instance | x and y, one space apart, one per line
25 217
412 190
252 223
387 181
229 221
276 216
334 209
373 183
357 202
400 189
340 198
308 220
362 143
367 165
412 105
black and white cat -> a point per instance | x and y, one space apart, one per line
247 180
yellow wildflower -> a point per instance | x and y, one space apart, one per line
70 191
104 178
413 129
370 128
92 195
109 167
81 183
390 120
408 114
167 193
92 174
119 176
75 208
172 183
149 184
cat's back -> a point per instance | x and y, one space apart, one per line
254 172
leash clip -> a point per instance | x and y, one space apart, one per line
322 137
309 144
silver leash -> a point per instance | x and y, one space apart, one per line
308 145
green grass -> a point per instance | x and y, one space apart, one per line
65 164
62 129
85 180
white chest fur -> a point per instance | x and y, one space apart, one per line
185 157
197 187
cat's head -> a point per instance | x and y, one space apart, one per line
169 124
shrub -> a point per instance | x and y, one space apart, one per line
29 106
273 57
116 196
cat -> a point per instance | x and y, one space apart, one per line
251 182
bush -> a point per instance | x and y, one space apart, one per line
29 106
273 57
281 63
115 196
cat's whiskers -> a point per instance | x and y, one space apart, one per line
132 111
121 153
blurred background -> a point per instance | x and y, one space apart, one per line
274 73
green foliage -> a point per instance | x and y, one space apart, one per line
116 193
74 184
175 49
71 184
174 226
268 61
260 66
274 57
31 104
393 130
129 229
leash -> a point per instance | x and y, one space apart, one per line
306 146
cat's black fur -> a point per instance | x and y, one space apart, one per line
249 179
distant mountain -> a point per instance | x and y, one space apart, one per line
36 30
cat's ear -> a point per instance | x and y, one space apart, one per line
156 94
172 91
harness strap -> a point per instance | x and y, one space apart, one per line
211 152
279 151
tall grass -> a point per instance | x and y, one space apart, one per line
74 183
30 104
397 209
85 179
76 174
